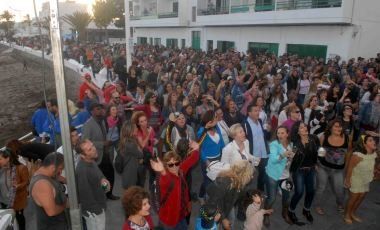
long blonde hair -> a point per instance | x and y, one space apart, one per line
240 173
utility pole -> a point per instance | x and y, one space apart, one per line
128 37
55 35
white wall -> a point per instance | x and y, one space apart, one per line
337 38
365 35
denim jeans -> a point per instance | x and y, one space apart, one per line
95 222
261 174
206 181
272 186
336 177
303 179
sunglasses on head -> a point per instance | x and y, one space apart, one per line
297 111
171 165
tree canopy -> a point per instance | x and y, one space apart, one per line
7 23
104 13
79 22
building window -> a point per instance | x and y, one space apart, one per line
210 45
305 50
183 43
194 14
172 43
223 46
263 48
157 41
142 40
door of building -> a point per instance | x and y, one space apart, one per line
196 40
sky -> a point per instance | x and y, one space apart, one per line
20 8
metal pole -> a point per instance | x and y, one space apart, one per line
128 37
75 214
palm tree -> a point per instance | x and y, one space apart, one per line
28 23
79 22
6 22
103 14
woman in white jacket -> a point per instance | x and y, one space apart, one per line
238 149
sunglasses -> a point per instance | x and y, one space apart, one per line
171 165
297 111
116 98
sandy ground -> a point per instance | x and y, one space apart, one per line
22 91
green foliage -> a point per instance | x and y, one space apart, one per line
119 13
79 22
104 13
7 23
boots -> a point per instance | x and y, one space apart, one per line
266 220
294 219
285 215
308 215
292 216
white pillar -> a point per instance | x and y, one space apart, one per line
128 37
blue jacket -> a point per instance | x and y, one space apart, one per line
80 119
210 149
38 119
248 132
275 167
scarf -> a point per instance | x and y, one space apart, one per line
12 189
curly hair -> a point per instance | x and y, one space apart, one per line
136 117
132 200
240 173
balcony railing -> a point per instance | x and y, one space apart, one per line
144 16
307 4
168 15
242 8
271 6
212 10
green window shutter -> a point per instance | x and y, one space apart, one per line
304 50
261 47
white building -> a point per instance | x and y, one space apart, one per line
67 7
322 28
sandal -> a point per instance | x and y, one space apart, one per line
340 209
357 219
319 210
347 220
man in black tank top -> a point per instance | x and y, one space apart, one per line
48 196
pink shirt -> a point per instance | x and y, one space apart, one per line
149 145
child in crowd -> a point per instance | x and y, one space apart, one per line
254 212
208 217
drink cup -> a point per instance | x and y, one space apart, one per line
321 152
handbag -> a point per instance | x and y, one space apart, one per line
214 168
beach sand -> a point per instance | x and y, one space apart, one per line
21 91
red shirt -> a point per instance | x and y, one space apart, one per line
147 218
170 213
82 90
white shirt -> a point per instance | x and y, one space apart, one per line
231 154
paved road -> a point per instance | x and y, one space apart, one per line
369 211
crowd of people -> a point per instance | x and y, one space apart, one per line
256 124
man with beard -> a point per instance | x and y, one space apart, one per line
95 130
